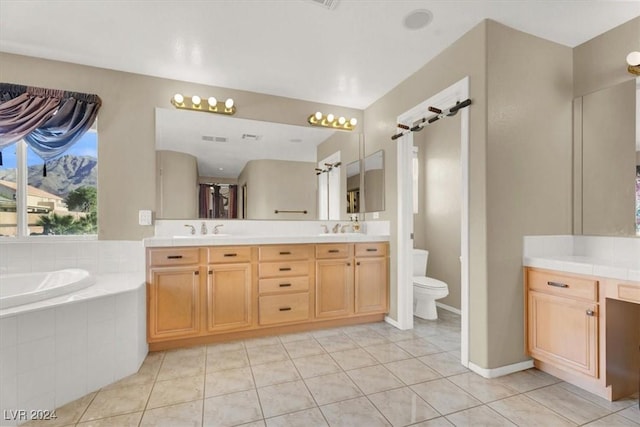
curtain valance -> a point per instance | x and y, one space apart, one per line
49 120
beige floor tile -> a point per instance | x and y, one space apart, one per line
118 401
303 348
262 341
307 418
175 366
126 420
354 412
229 381
419 347
614 406
274 373
479 416
393 334
223 347
352 359
314 366
184 415
284 398
233 359
444 396
365 338
266 354
299 336
528 380
389 352
446 341
570 405
232 409
445 363
412 371
632 413
483 389
178 390
65 415
526 412
332 388
613 420
259 423
180 353
374 379
402 406
327 332
333 343
436 422
146 374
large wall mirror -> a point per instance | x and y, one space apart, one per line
607 161
216 166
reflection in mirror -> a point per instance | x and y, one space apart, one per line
353 187
374 182
235 168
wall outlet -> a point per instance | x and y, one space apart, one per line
145 217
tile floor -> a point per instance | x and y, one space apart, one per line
368 375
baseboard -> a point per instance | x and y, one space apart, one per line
502 370
448 308
392 322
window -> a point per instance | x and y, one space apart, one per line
64 202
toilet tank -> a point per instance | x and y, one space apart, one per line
420 257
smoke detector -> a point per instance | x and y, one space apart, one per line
418 19
327 4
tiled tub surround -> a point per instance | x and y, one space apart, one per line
57 350
611 257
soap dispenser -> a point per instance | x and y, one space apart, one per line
356 225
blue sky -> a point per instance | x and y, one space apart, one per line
86 146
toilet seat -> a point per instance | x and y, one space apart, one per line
429 283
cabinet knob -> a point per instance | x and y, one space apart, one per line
348 264
590 313
358 263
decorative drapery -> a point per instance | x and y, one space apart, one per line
204 198
49 120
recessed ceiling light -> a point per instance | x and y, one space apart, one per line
418 19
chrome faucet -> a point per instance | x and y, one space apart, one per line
216 228
203 228
336 228
193 229
344 227
325 229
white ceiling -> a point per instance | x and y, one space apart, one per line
350 55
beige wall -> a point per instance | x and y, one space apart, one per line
177 188
436 226
279 185
126 128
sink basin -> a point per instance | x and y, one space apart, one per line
201 236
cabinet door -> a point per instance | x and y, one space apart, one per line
564 332
334 288
229 296
173 302
371 285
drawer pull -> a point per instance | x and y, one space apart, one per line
358 263
285 253
558 284
229 255
285 268
285 285
210 271
197 273
285 309
174 256
372 250
334 251
590 313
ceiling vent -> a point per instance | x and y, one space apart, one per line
327 4
214 138
251 137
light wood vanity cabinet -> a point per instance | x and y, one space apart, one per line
198 295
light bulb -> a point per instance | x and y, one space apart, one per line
633 58
212 102
178 98
318 116
228 104
195 100
341 120
330 118
353 121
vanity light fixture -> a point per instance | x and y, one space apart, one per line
208 105
633 59
330 121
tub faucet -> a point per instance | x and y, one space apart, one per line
216 228
336 228
193 229
325 229
203 228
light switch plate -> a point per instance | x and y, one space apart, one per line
145 217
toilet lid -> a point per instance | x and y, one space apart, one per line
429 282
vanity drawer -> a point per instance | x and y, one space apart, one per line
173 256
283 284
335 250
629 292
283 269
284 308
562 284
284 252
371 249
229 254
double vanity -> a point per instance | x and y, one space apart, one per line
211 288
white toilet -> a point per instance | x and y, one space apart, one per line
426 290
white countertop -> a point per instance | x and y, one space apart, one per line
592 266
224 240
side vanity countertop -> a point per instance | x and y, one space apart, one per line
231 240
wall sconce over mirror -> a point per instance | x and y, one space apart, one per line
332 122
633 59
208 105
